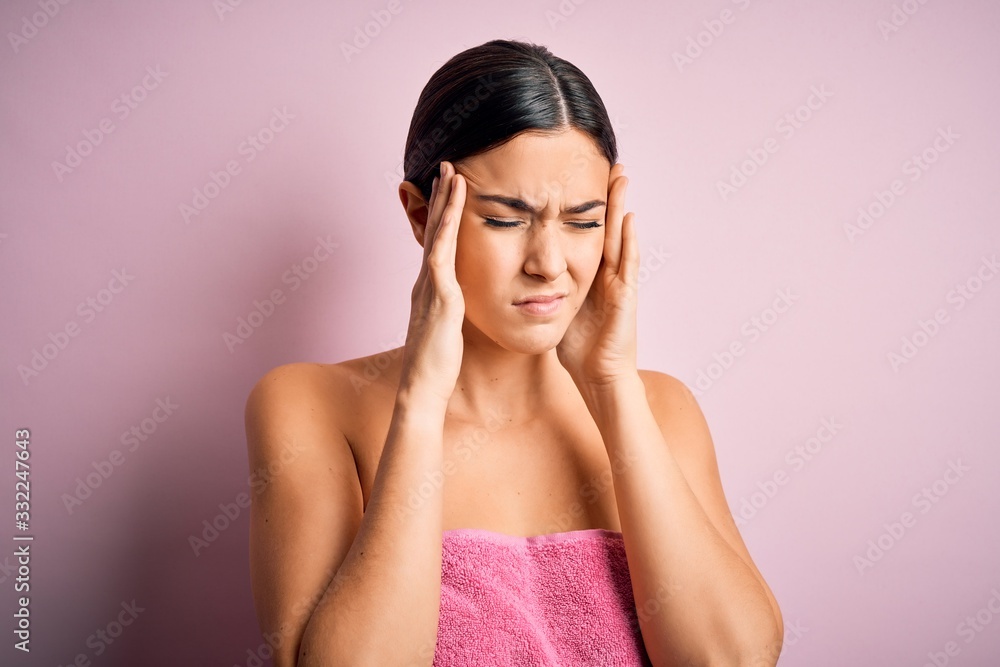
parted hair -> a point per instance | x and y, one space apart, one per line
488 94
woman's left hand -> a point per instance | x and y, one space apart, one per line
599 345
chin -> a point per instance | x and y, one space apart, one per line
537 339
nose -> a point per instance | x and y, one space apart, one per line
544 255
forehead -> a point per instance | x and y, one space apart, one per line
539 167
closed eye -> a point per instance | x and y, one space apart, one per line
493 222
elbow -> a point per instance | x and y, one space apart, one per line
757 640
768 641
757 645
760 649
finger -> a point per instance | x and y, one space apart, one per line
446 242
456 208
446 182
434 210
430 209
630 251
427 225
617 170
440 199
446 239
613 222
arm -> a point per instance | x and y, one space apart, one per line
699 596
333 585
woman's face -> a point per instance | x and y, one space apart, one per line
550 194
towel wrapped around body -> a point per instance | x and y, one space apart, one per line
560 599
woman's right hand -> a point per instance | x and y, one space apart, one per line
432 354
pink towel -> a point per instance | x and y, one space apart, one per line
558 599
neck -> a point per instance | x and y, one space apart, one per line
521 386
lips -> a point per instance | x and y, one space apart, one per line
540 298
546 308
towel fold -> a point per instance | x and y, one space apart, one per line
560 599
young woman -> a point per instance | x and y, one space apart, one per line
507 487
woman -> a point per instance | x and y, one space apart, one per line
470 498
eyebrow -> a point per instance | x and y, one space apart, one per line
521 205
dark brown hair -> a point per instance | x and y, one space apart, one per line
486 95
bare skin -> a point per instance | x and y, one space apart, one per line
526 457
523 480
532 469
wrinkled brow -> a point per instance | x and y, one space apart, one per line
521 205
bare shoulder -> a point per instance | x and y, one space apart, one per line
307 500
298 375
294 411
686 432
379 370
299 380
682 423
329 393
295 384
666 391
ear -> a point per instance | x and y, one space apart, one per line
416 209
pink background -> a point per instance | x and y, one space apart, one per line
332 171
